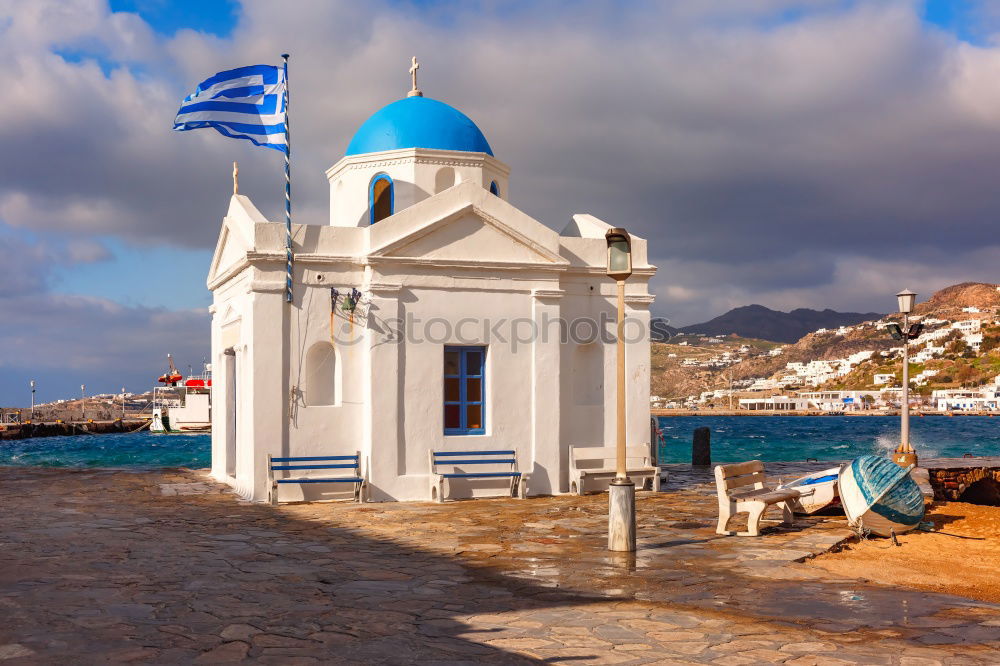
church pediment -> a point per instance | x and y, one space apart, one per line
234 239
466 225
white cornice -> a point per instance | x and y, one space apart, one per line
387 288
321 258
376 260
601 270
418 156
228 274
267 286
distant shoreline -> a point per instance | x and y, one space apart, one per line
764 412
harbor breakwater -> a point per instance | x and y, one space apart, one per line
62 428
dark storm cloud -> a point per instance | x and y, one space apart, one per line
772 151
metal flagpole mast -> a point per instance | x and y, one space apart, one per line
288 190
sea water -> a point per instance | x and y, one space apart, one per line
834 438
141 449
734 438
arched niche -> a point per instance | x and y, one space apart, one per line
322 385
444 178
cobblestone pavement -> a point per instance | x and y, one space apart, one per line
104 566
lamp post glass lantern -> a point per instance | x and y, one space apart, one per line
904 454
621 491
905 299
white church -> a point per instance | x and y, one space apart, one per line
429 315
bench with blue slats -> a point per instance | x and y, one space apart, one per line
307 463
458 462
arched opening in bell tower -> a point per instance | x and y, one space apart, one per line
380 198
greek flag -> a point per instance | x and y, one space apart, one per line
243 103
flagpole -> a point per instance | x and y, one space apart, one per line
288 190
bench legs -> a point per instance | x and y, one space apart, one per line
726 511
787 514
755 511
438 489
519 486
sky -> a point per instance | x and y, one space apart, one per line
792 153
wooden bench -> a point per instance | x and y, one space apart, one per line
305 463
742 487
602 465
456 462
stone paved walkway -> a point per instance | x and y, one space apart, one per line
166 567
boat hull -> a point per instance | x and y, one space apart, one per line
818 492
880 497
164 423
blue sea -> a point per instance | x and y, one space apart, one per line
834 438
137 450
734 438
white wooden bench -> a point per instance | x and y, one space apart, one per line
597 462
731 483
456 462
306 463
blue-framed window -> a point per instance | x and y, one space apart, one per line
464 388
381 198
494 188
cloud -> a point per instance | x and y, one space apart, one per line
773 151
69 340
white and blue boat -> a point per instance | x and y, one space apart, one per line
879 496
817 491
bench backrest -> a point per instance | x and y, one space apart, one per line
606 456
304 463
738 477
474 458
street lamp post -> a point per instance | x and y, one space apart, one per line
32 400
904 455
123 403
621 491
83 402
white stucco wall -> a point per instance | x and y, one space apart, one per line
458 254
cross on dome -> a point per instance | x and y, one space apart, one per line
414 66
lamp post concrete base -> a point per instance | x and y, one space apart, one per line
621 516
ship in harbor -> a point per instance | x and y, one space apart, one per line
182 404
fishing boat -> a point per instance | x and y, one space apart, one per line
817 491
182 405
879 496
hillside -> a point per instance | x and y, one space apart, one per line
759 322
954 298
953 351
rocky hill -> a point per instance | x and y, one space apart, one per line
956 297
759 322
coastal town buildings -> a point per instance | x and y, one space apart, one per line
429 313
959 400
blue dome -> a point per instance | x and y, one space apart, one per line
418 122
